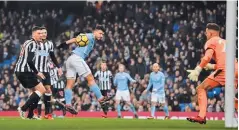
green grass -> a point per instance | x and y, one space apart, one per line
106 124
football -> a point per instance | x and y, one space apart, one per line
82 40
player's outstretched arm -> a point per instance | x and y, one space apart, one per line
73 40
204 61
131 79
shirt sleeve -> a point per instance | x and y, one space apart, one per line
31 49
52 46
150 83
115 80
96 74
207 57
131 79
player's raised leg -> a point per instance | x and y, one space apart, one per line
202 100
33 99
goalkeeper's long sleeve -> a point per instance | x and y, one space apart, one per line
206 59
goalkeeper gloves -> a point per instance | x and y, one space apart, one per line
194 73
209 66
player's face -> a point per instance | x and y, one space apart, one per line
155 67
99 34
37 35
121 68
208 34
44 34
103 66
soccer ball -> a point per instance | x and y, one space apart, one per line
82 40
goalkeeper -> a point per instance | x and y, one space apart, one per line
76 64
214 49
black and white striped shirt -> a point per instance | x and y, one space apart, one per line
42 56
30 46
55 80
104 78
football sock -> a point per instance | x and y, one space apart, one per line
119 110
34 98
152 110
47 99
132 108
95 89
39 109
165 109
68 96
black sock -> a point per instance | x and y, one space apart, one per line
47 103
105 110
34 98
31 110
39 109
63 109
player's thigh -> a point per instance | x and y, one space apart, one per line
126 96
208 84
40 87
70 70
217 76
161 99
118 95
154 97
27 79
80 66
47 80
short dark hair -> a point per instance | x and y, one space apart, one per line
35 28
43 27
100 27
213 26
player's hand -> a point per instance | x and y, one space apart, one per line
60 72
41 75
194 73
144 92
209 66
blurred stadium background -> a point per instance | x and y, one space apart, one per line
137 34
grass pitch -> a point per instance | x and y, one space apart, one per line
7 123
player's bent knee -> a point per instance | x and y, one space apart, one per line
70 83
40 88
48 88
90 79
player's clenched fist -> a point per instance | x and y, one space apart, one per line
193 74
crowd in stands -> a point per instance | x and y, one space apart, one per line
137 35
